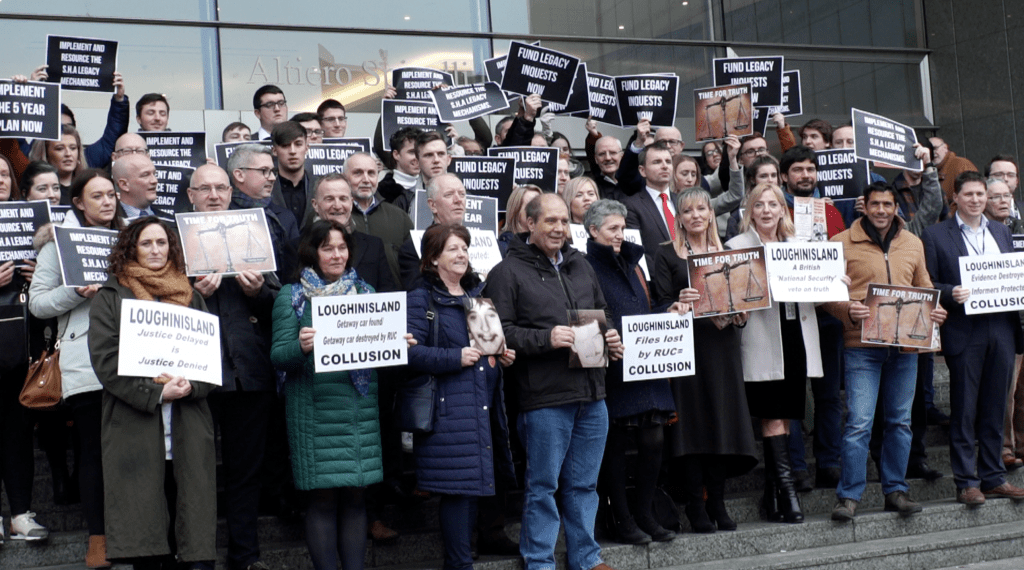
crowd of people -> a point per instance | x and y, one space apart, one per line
331 444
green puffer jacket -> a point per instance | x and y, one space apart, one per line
333 432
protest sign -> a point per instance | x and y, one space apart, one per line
657 346
534 165
172 190
650 97
792 97
468 101
809 219
359 331
30 110
800 272
226 242
764 74
415 83
996 282
83 254
171 340
481 212
327 158
900 316
1018 241
18 224
81 64
841 175
604 99
545 72
484 326
483 252
722 111
168 148
396 114
729 281
57 214
579 96
633 236
225 150
879 139
486 176
362 142
589 348
495 70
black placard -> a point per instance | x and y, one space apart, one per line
225 150
579 97
169 148
495 70
651 97
486 176
1018 242
397 114
841 175
58 213
481 213
761 117
18 224
415 83
545 72
882 140
604 99
764 74
722 111
361 142
81 64
468 101
29 110
792 96
83 254
534 165
324 159
172 190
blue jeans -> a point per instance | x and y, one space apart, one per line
872 373
564 446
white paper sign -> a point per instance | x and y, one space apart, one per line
483 252
996 283
359 331
800 272
657 346
159 337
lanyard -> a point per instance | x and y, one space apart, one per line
970 241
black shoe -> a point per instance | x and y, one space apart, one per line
937 417
658 533
900 502
923 471
698 517
802 481
715 506
498 544
627 532
827 477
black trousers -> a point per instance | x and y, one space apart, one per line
87 411
17 463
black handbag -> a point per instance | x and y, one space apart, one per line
417 397
14 328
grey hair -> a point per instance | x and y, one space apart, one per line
990 181
600 210
355 154
435 185
329 177
244 154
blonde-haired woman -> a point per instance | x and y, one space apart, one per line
579 194
515 214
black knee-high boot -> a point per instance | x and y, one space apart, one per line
714 480
789 503
693 484
770 500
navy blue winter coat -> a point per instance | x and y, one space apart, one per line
461 455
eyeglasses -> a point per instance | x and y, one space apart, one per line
220 189
1004 175
282 104
672 142
714 152
315 132
754 152
124 151
333 119
1001 197
266 172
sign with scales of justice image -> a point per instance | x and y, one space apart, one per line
729 281
227 242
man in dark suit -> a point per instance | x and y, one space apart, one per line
653 211
979 349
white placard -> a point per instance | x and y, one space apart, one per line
802 272
159 337
483 252
359 331
996 283
657 346
633 236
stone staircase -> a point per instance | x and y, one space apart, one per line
945 535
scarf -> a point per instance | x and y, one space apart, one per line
312 285
166 284
245 201
882 242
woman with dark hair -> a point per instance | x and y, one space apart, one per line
160 426
66 155
685 172
94 203
467 455
40 182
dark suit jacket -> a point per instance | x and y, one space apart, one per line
943 248
645 215
308 214
371 264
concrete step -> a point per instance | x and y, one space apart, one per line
1004 564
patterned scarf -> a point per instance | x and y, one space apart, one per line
245 201
167 283
312 285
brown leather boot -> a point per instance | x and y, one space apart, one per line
97 555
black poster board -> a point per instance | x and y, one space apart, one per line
486 176
579 97
651 97
468 101
169 148
883 140
534 165
764 74
172 190
604 99
324 159
81 64
29 110
792 96
362 142
415 83
396 114
225 150
481 213
841 175
18 224
83 254
534 69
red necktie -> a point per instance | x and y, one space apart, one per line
669 218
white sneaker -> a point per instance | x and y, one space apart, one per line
25 527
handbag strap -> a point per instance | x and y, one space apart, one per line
643 283
432 318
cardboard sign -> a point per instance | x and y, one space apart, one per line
534 165
651 97
657 346
801 272
29 110
226 242
841 175
168 148
729 281
58 213
879 139
18 224
546 72
327 158
1018 242
484 253
415 83
158 338
486 176
172 190
579 97
809 219
469 101
81 64
604 99
996 282
396 114
764 74
589 348
361 142
225 150
722 111
900 316
481 213
792 96
359 331
83 254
